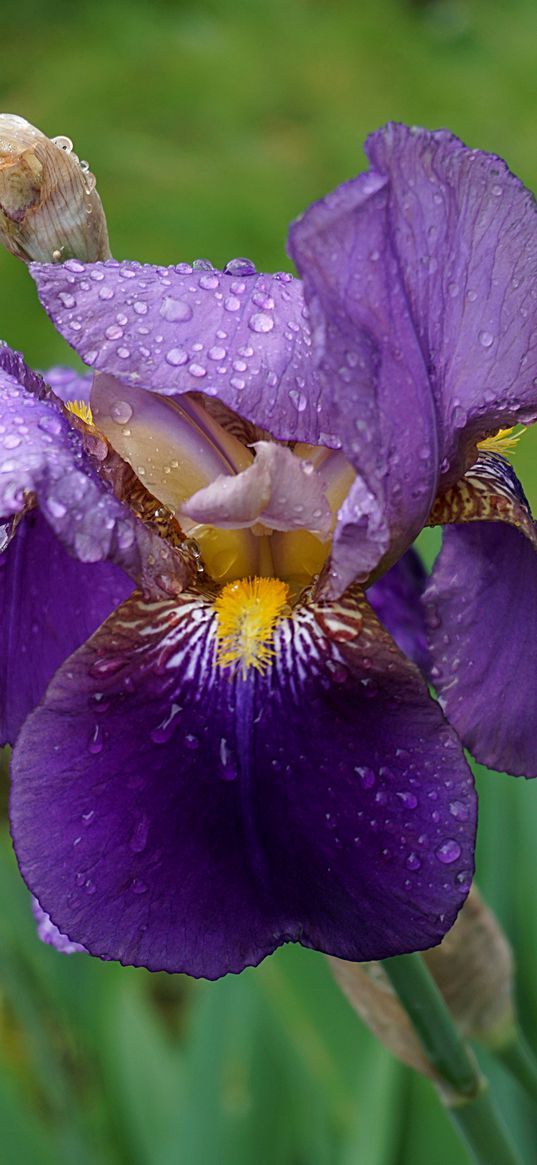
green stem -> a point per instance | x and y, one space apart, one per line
426 1006
466 1096
519 1060
482 1129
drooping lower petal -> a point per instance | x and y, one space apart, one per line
482 616
43 461
51 936
396 599
50 604
195 816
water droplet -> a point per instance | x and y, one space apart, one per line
298 399
139 307
366 775
231 303
413 862
217 353
138 887
496 190
67 299
408 799
197 370
175 310
459 810
106 293
240 267
228 770
486 339
448 852
209 282
191 742
138 838
96 740
163 731
121 412
261 322
176 356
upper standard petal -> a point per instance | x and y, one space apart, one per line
464 230
175 329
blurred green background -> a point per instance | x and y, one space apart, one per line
210 124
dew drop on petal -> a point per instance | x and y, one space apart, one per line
176 357
486 339
138 838
459 810
96 740
366 775
121 412
260 322
175 310
448 852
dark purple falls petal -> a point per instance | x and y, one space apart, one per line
193 820
396 599
43 458
50 604
481 605
242 338
51 936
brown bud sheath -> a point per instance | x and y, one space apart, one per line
473 968
49 208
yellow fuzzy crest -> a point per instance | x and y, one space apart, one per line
80 409
504 441
248 611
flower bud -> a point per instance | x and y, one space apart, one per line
49 208
473 968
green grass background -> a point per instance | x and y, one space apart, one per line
210 125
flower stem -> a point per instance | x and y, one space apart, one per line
466 1095
520 1061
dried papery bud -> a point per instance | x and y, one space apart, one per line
49 208
473 968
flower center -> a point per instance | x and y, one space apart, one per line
248 611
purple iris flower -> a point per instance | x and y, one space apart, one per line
240 754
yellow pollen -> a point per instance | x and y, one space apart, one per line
80 409
248 611
504 441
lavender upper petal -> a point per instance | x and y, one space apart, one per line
50 604
352 832
173 330
464 230
372 371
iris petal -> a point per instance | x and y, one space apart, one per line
50 604
482 616
322 800
43 460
